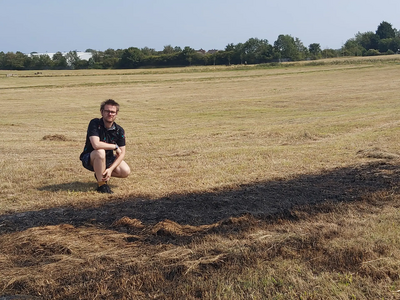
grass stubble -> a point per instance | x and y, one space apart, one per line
229 134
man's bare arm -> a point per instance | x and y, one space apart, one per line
97 144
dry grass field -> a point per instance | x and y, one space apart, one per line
248 182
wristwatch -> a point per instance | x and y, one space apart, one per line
116 147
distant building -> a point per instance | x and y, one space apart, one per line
81 55
213 51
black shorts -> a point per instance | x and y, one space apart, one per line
86 161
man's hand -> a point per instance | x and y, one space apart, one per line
118 152
107 174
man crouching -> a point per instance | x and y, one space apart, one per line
104 137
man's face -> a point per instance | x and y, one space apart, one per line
109 113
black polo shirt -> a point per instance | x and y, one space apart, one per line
113 135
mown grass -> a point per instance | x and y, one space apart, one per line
274 183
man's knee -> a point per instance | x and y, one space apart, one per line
128 171
125 171
98 154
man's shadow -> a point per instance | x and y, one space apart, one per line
76 186
261 200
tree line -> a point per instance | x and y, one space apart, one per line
385 40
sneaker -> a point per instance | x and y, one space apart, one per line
105 189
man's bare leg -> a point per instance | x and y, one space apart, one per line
122 171
98 161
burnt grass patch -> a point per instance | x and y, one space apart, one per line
168 235
269 201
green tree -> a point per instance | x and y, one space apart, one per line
14 61
264 53
111 58
352 48
384 45
59 61
367 40
82 64
385 31
2 59
224 57
230 47
168 49
72 59
97 59
395 45
131 58
111 53
329 53
256 50
302 50
41 62
389 45
148 51
236 53
187 55
287 47
164 59
177 49
315 51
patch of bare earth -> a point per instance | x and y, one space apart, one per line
55 137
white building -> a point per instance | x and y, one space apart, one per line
81 55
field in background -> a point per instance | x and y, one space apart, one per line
248 182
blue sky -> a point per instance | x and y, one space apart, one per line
59 25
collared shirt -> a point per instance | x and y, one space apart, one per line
113 135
